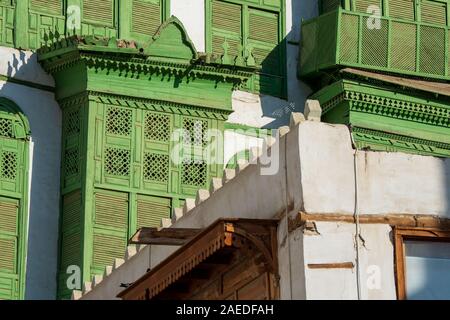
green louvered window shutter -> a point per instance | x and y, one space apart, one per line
150 211
401 9
263 38
9 216
363 5
71 244
52 6
99 11
146 16
226 27
110 228
434 12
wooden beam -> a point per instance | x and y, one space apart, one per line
402 220
337 265
165 236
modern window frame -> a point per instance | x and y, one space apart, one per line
412 233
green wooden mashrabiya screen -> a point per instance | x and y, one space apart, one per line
14 133
119 139
253 28
427 11
29 24
411 39
136 182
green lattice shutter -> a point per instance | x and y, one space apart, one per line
263 38
146 16
117 155
194 169
434 12
150 210
363 5
156 163
9 218
226 26
401 9
110 228
432 50
53 6
99 11
11 161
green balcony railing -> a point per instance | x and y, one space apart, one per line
343 38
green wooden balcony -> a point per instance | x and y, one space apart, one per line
343 38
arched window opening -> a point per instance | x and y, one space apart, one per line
14 137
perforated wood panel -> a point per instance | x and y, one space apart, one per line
195 131
375 44
403 53
135 151
6 128
156 167
72 124
349 38
432 50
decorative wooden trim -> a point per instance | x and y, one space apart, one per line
158 105
400 235
228 233
166 236
403 220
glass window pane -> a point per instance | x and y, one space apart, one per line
427 270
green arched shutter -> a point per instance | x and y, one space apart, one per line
13 199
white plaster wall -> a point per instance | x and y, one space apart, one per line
336 243
235 142
147 257
192 14
320 178
326 166
297 10
23 65
386 182
403 183
44 116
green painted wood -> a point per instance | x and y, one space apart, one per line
399 46
329 5
29 24
122 109
387 118
14 134
251 31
